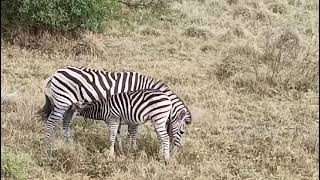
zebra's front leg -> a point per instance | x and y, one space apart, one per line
133 134
163 137
113 127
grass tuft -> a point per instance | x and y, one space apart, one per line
14 165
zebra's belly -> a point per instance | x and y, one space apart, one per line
136 122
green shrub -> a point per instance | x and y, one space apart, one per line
9 10
60 14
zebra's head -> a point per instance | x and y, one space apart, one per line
79 107
177 127
187 118
95 109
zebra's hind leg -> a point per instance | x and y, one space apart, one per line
55 116
133 133
119 140
68 116
113 127
160 127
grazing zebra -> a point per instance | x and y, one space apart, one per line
97 110
69 85
135 108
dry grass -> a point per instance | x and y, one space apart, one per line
247 69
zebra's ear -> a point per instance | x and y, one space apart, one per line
169 130
181 115
188 120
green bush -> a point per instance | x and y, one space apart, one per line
66 15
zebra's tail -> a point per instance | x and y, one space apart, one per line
47 108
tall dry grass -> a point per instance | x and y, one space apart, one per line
247 69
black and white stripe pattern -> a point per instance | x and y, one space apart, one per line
133 108
70 84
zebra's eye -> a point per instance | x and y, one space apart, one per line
182 130
183 126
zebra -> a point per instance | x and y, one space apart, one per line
71 84
97 110
135 108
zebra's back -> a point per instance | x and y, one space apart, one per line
139 106
75 84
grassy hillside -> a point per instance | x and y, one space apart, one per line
247 69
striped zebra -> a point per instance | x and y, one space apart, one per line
69 85
135 108
97 110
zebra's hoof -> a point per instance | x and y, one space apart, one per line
112 157
109 153
120 151
121 157
134 149
163 160
68 141
49 153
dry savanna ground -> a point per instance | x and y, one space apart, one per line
247 69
